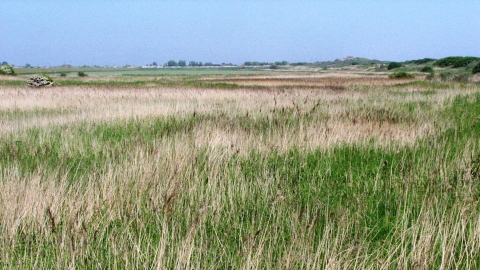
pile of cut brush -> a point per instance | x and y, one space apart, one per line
39 81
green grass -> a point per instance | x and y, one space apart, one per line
17 114
139 81
152 83
425 84
144 71
412 93
17 82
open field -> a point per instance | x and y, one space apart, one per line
266 170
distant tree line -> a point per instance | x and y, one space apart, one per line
195 64
257 63
254 63
300 64
183 63
173 63
6 63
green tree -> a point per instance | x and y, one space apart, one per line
172 63
154 64
182 63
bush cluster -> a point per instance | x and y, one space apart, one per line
40 80
401 75
427 69
456 61
446 76
393 65
82 74
430 76
6 69
420 61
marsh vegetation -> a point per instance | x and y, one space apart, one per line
274 170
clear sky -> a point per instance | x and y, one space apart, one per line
102 32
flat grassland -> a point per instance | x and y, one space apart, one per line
266 170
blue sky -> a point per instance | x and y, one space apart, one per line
138 32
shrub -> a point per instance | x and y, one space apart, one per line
40 80
393 65
82 74
427 69
273 67
476 68
462 78
445 76
380 68
430 76
401 75
6 69
63 74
